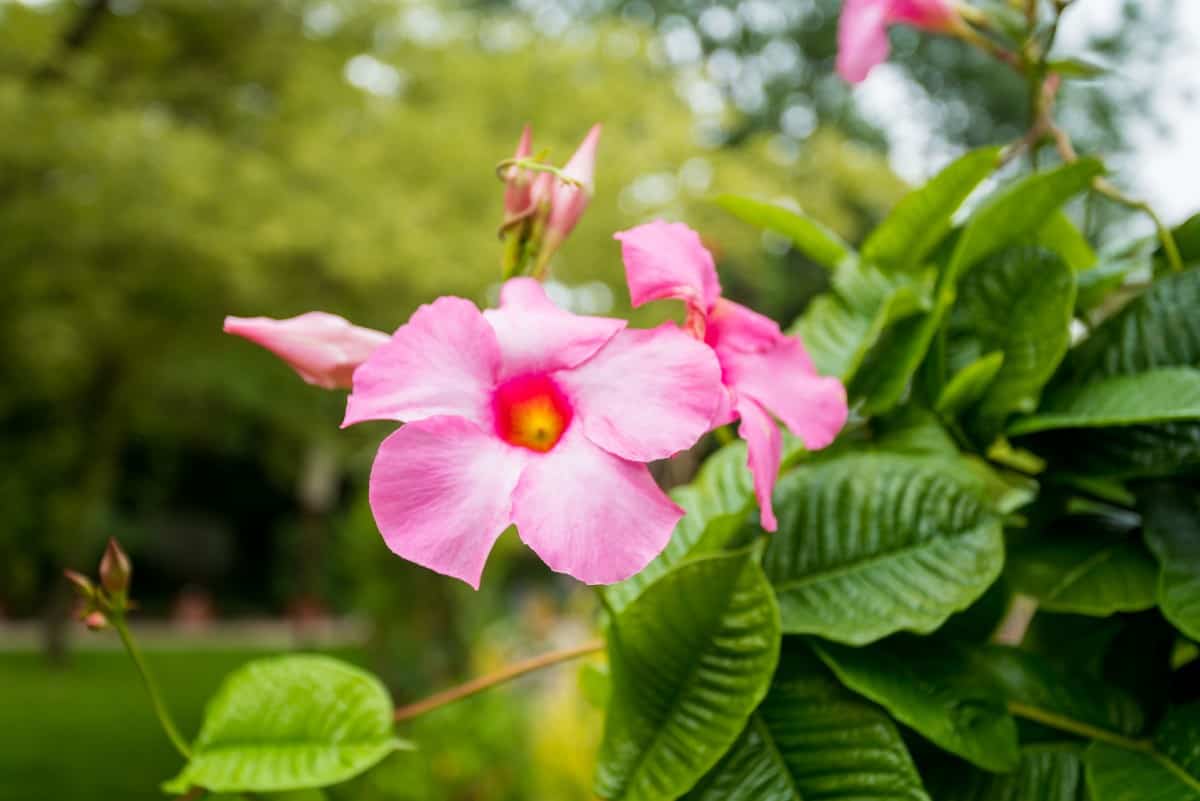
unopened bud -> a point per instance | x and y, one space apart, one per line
518 183
570 199
84 585
95 621
115 569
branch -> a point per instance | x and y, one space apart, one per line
506 674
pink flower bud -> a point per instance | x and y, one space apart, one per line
115 569
518 183
323 348
569 200
95 621
862 29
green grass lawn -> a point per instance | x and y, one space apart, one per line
86 731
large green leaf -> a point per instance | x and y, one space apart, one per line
870 544
811 740
1032 682
928 685
1018 302
1018 211
1159 328
922 218
809 236
1166 769
289 723
691 658
1172 519
969 384
1164 395
890 366
839 328
1048 772
715 502
1144 451
1059 235
1085 574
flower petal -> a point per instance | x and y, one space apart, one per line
764 451
536 336
668 260
323 349
590 514
732 326
444 360
931 15
862 38
441 492
647 394
782 379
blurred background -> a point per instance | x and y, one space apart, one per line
164 163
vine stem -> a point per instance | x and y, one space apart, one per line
160 707
505 674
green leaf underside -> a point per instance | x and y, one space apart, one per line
871 544
928 686
715 503
1118 774
1017 211
812 740
290 723
1033 680
922 218
810 237
1086 575
691 658
1020 303
1047 772
1167 394
1172 521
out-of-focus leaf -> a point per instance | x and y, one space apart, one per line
890 366
928 685
1047 772
810 237
290 723
1169 771
1172 518
812 740
871 544
690 658
923 217
1075 68
1060 236
1085 574
969 384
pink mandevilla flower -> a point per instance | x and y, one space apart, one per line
323 348
766 373
530 415
862 30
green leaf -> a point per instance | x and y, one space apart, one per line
870 544
811 740
1097 284
1169 770
923 217
690 658
1017 211
890 366
1018 302
928 686
715 502
1075 68
1164 395
290 723
839 328
968 384
810 237
1059 235
1029 680
1172 527
1047 772
1159 328
1143 451
1086 574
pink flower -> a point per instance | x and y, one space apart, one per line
533 416
518 183
862 30
568 201
323 348
767 374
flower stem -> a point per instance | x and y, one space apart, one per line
505 674
160 707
